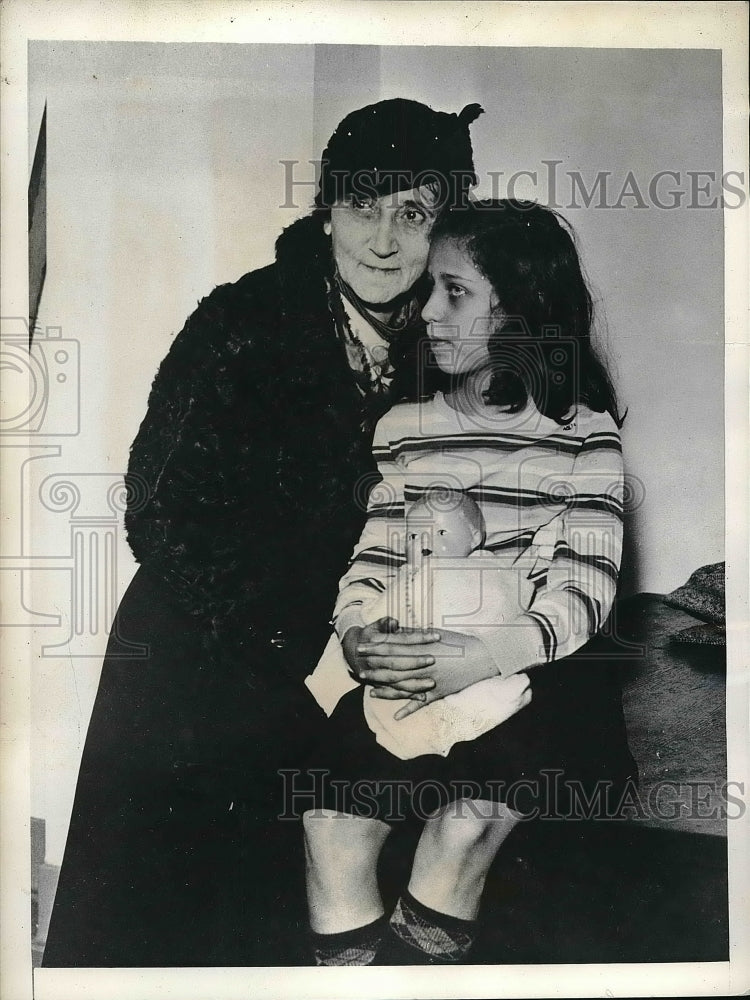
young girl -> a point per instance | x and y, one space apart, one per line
527 427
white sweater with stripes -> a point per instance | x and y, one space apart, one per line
551 498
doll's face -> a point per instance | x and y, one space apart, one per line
433 530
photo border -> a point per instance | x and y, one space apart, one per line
554 24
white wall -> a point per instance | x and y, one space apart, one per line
164 180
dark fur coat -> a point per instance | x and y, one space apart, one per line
249 475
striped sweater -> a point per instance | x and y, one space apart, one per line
551 498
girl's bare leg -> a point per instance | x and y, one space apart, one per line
454 855
341 858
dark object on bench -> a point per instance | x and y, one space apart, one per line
702 597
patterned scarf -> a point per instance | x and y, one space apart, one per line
371 366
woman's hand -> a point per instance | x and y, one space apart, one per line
458 661
403 669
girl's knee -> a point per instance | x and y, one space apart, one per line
338 825
455 854
316 820
469 826
341 840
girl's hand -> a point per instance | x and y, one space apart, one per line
403 669
458 662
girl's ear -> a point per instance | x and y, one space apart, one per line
327 227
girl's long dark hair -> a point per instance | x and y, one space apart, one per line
542 346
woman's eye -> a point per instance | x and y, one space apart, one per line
442 531
456 292
362 204
412 538
413 216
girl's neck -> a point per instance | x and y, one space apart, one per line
465 393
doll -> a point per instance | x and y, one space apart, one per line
447 582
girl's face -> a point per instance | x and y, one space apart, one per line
459 312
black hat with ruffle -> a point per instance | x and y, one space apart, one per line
397 145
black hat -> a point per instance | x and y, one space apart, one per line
397 145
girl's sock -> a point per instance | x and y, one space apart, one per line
419 935
355 947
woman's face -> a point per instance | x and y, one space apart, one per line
461 312
381 245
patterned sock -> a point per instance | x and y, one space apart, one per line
425 935
355 947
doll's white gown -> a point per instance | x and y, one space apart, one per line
459 594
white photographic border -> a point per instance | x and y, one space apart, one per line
622 25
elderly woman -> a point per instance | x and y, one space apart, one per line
248 481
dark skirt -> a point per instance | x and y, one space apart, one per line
562 756
176 855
